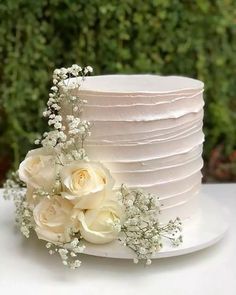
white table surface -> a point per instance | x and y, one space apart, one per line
26 267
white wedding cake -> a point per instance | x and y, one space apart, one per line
147 129
119 173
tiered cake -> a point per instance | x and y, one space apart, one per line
147 130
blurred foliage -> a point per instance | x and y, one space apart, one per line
192 38
221 168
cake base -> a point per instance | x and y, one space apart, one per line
202 231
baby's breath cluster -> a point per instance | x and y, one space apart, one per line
12 185
141 230
69 131
68 252
23 216
15 189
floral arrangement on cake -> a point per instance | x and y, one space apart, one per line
68 200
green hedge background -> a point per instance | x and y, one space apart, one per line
192 38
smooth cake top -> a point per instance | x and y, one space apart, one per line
139 84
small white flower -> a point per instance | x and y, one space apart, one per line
58 118
48 245
74 242
75 264
65 262
56 72
63 252
148 262
50 122
88 69
56 107
63 71
54 88
45 113
76 67
70 118
37 141
57 125
130 203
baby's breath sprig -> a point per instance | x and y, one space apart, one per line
15 189
12 185
69 131
141 230
69 253
24 216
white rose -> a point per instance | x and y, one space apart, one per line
102 225
38 170
53 220
87 184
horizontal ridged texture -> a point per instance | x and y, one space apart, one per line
147 130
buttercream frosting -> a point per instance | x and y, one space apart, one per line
147 129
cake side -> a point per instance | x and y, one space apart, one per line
149 140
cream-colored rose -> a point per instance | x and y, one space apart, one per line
87 184
53 219
38 170
102 225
